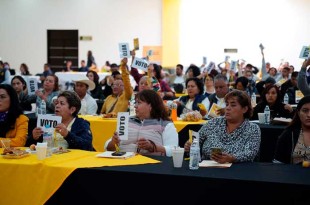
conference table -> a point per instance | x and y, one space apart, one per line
161 183
103 128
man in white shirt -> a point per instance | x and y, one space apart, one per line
178 78
88 103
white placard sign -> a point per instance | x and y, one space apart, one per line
48 119
124 51
204 60
233 65
149 53
227 58
122 125
32 85
140 64
304 53
209 67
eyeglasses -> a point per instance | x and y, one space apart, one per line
116 85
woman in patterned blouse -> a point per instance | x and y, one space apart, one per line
238 138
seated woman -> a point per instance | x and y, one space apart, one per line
13 124
96 93
73 132
20 86
271 97
242 84
49 93
151 131
238 138
195 96
294 142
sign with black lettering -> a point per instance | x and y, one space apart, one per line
140 64
32 85
149 53
204 60
304 53
122 125
124 51
48 120
209 67
233 65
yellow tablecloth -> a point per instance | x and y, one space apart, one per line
103 129
31 181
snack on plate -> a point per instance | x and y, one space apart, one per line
32 147
193 116
14 153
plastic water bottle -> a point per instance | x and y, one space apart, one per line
253 99
48 138
285 99
43 107
267 114
194 155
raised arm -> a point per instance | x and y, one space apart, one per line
302 78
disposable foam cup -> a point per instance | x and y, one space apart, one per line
177 157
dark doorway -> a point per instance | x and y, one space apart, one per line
62 46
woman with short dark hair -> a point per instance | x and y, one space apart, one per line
238 138
151 132
73 132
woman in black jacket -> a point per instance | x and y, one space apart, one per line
293 145
271 97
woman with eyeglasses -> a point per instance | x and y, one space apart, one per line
151 132
13 124
49 93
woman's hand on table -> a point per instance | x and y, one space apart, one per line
222 158
37 132
62 130
145 144
288 107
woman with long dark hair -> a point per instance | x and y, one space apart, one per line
13 124
293 145
19 85
96 93
272 97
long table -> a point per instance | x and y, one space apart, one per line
243 183
103 129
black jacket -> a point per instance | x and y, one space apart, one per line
286 145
